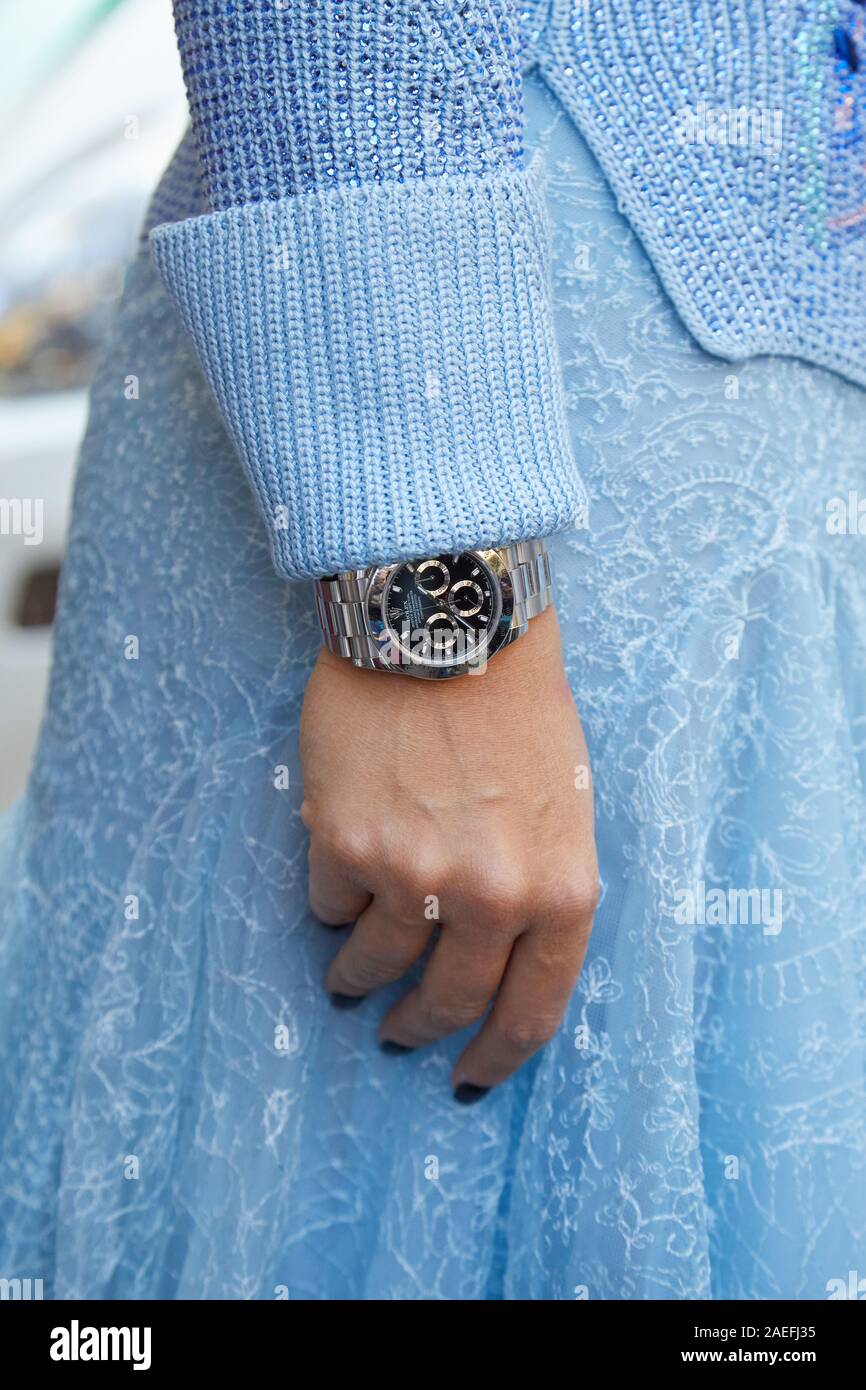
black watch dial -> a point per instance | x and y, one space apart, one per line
441 610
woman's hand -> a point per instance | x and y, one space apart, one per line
463 804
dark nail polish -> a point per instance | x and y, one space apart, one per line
346 1001
394 1049
467 1094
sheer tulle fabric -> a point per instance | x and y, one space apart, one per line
182 1113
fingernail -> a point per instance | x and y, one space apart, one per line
467 1094
394 1049
346 1001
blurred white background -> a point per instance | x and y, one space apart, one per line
91 108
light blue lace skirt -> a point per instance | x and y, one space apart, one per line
182 1112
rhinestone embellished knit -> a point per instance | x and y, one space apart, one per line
301 94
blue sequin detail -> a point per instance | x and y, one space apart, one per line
846 50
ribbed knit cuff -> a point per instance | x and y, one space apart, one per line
384 359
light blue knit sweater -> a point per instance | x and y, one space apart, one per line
368 292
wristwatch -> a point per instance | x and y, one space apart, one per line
437 617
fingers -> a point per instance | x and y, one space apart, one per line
336 895
380 948
541 974
489 952
461 978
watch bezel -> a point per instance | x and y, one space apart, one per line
384 640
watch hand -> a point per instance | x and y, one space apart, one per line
451 614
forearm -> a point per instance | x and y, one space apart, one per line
369 292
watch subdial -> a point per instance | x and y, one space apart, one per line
466 598
432 578
439 635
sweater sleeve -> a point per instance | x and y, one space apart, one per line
368 292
